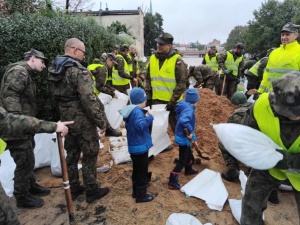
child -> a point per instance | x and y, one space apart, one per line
185 123
137 123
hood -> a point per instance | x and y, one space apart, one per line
55 70
125 112
182 106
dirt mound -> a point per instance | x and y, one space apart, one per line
119 208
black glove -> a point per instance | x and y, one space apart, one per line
169 107
149 103
289 161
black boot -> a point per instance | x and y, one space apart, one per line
142 196
37 189
273 198
112 132
76 191
173 181
29 201
189 169
93 195
231 175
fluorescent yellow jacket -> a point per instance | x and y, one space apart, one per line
163 80
91 68
281 61
211 62
116 79
264 117
2 146
230 64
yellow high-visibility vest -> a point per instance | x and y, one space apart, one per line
2 146
116 79
211 62
93 67
230 64
264 117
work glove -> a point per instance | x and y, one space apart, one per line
289 161
169 107
226 72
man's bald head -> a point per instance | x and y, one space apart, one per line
75 48
132 49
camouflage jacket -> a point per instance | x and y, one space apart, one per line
101 74
238 114
120 67
180 76
201 73
221 58
72 90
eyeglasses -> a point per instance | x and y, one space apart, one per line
79 49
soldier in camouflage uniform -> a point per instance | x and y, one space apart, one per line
18 125
99 70
204 76
18 95
281 108
72 88
166 77
231 64
121 77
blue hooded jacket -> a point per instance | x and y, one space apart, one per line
137 125
185 119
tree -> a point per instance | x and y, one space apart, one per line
235 36
152 29
117 27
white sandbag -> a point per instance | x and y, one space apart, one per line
159 134
236 209
285 187
44 145
250 146
7 170
104 98
209 187
120 155
183 219
243 180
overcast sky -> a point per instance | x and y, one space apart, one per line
193 20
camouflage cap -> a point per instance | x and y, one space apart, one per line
124 47
240 46
238 98
112 57
289 27
286 91
213 47
165 38
116 47
37 54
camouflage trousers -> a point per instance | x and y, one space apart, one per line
122 88
230 87
258 188
87 143
8 215
22 153
210 82
229 160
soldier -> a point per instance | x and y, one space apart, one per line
281 108
231 64
116 49
210 58
18 95
166 77
99 72
134 67
72 88
284 59
120 73
204 75
18 125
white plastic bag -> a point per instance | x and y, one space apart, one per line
183 219
44 145
7 170
250 146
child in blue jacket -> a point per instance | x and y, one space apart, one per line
138 122
185 121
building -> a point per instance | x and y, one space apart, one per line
216 43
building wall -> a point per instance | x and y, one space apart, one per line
134 23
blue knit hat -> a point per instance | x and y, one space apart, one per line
137 95
192 96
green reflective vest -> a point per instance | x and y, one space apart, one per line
2 146
163 80
211 62
281 61
116 79
264 117
230 64
91 68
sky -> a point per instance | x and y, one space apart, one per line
193 20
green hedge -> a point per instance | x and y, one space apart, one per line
48 33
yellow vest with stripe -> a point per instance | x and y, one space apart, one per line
91 68
264 117
212 63
2 146
116 79
254 68
230 64
281 61
163 80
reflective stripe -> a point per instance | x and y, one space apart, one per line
116 79
230 64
